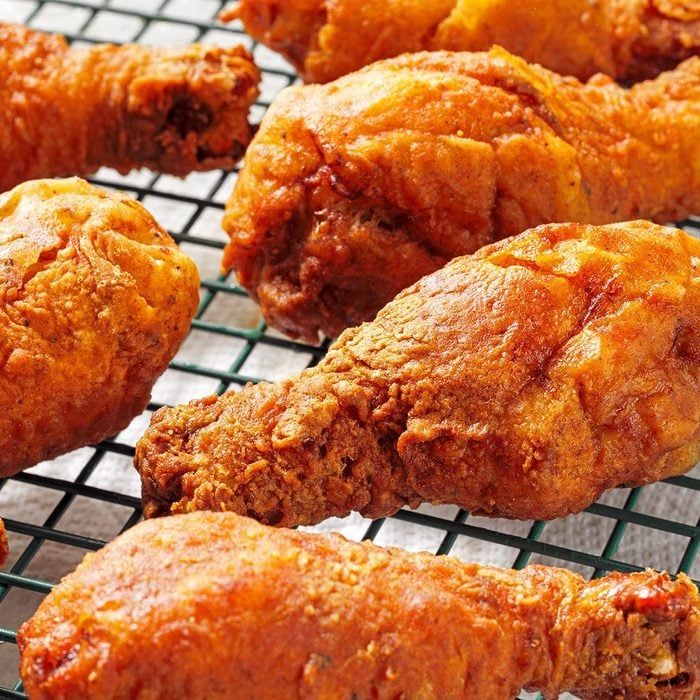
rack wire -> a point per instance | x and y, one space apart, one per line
58 511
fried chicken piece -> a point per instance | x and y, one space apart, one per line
95 299
520 382
352 191
211 605
4 545
69 111
626 39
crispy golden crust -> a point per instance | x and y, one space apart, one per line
626 39
212 605
95 299
520 382
69 111
352 191
4 545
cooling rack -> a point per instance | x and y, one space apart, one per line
59 510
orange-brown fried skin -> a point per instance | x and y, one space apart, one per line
354 190
626 39
69 111
95 299
520 382
211 605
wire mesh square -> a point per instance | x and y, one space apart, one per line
58 511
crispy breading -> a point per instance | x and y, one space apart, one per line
211 605
626 39
69 111
354 190
95 299
520 382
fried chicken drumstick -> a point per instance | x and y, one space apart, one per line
69 111
352 191
212 605
626 39
95 299
521 382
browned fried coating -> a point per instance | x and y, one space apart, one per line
211 605
69 111
354 190
626 39
4 545
521 382
95 299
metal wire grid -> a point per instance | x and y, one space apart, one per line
246 350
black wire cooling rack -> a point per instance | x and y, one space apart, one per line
58 511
